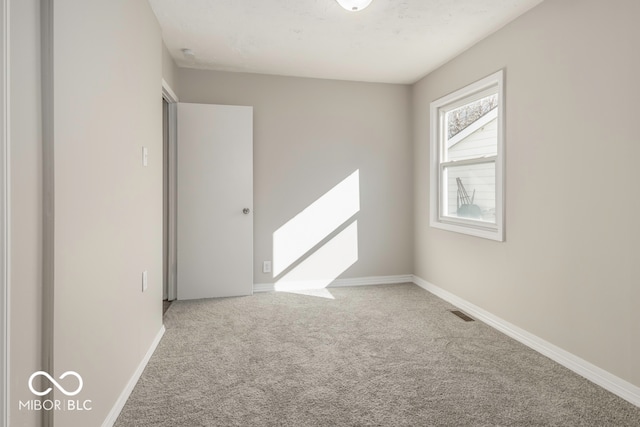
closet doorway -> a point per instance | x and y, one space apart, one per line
169 150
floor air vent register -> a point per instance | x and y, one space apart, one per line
462 315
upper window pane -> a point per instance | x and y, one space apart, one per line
472 130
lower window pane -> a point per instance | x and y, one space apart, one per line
470 192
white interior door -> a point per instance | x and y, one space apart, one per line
215 201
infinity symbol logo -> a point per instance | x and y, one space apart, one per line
58 386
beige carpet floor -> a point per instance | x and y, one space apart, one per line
390 355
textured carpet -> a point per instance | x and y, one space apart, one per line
375 355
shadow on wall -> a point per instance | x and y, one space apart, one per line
317 245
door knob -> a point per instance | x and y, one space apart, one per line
245 211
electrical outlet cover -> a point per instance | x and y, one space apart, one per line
266 267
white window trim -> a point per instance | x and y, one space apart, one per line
459 225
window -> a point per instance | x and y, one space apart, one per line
467 154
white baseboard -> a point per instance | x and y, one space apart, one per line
122 399
341 283
599 376
263 287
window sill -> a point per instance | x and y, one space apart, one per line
485 232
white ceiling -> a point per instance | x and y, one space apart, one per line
392 41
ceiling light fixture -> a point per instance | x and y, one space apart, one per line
354 5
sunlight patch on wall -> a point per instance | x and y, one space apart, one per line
304 231
320 243
318 270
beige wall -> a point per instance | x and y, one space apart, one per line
169 68
108 212
26 206
311 134
568 271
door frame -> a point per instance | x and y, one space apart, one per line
172 99
4 213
